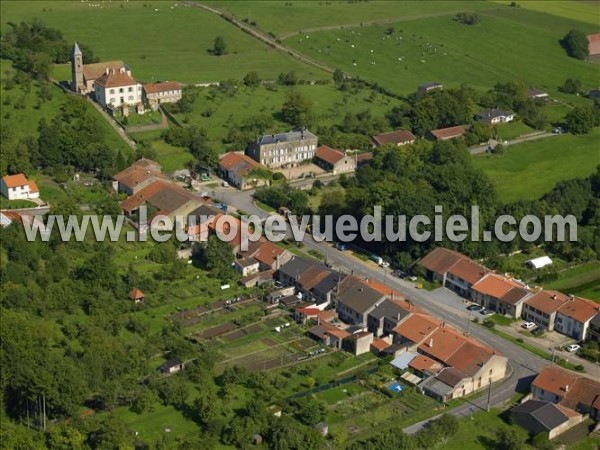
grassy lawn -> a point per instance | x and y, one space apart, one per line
582 280
310 15
148 118
512 130
165 40
528 170
171 158
508 44
15 204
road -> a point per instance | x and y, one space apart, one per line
527 137
441 303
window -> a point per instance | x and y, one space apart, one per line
120 90
129 89
112 91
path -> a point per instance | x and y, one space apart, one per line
526 137
270 41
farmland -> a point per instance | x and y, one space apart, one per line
441 49
582 280
528 170
582 11
143 35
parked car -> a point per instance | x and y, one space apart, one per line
572 348
474 307
413 278
384 264
537 331
528 325
341 246
376 259
486 312
225 184
399 274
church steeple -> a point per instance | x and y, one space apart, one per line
77 83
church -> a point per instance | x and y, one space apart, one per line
110 82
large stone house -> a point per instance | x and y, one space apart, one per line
574 317
136 177
284 149
334 161
542 308
158 93
117 88
83 76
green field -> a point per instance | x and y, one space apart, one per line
160 41
582 280
508 44
584 11
329 105
528 170
312 15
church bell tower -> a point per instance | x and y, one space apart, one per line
77 69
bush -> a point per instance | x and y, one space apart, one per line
467 18
576 44
489 323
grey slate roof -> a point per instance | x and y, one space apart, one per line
290 136
596 321
436 386
328 283
389 309
492 114
357 295
543 416
451 376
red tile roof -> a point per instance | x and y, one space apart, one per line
422 362
547 301
12 181
494 285
468 270
380 344
469 358
440 259
554 380
33 187
153 88
363 158
449 133
311 277
96 70
115 78
573 389
162 194
328 154
268 253
308 311
417 327
397 137
594 43
136 294
580 309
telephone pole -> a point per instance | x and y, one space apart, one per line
489 395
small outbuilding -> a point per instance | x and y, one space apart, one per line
136 295
172 366
538 263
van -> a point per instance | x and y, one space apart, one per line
376 259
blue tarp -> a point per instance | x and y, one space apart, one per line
396 387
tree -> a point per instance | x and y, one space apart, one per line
288 79
576 44
571 86
338 77
297 110
509 438
581 119
216 256
219 46
252 79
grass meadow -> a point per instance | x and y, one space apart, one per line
583 280
584 11
159 40
526 171
508 44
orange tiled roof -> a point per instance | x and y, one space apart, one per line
554 380
33 187
449 133
469 358
115 78
394 137
579 309
468 270
440 259
313 276
380 344
268 253
96 70
12 181
494 285
417 327
594 43
422 362
136 294
328 154
153 88
547 301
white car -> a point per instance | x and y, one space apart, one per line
225 184
413 278
528 325
572 348
384 264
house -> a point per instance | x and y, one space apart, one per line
437 263
323 291
289 272
398 138
246 266
116 88
594 329
573 318
378 346
284 149
542 307
424 366
415 330
537 94
8 217
424 88
156 94
501 294
83 76
544 417
172 366
136 295
310 278
276 295
355 300
363 158
257 279
271 256
358 343
538 263
236 168
136 177
161 198
568 389
593 46
334 161
494 116
386 315
329 335
445 134
447 384
18 187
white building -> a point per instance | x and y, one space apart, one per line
117 88
538 263
17 187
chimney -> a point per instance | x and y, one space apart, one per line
567 388
554 297
430 343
